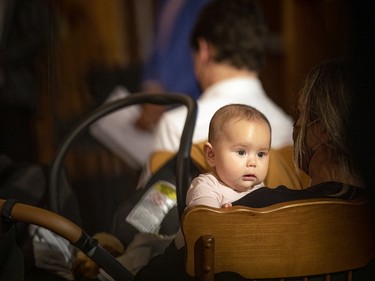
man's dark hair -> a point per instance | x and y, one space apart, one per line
236 29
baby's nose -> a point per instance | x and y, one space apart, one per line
250 163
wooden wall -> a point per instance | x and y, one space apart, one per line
304 33
85 35
312 31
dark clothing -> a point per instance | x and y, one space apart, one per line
170 265
263 197
171 61
11 259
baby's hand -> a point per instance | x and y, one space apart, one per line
226 205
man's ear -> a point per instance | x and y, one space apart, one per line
210 154
204 50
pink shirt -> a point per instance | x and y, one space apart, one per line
207 190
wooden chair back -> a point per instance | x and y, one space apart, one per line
292 239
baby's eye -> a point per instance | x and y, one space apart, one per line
261 154
241 152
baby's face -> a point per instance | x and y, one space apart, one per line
242 154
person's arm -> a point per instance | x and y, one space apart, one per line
207 200
203 191
150 115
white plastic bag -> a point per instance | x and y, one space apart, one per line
52 252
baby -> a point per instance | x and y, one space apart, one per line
237 150
239 142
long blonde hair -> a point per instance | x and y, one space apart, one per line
326 96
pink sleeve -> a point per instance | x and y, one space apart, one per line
203 191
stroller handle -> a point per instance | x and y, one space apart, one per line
45 218
70 231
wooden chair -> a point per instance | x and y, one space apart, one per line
292 239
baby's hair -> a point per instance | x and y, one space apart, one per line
233 111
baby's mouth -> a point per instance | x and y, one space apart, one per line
249 177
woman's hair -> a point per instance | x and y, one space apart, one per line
237 31
229 112
326 97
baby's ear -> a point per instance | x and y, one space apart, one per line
210 155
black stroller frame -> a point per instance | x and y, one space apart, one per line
52 220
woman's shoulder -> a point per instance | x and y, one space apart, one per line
265 196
